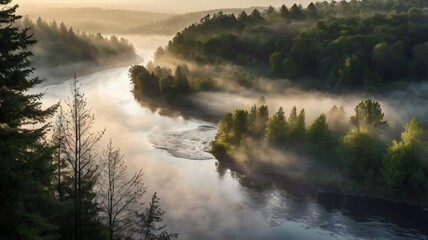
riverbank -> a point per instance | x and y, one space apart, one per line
60 74
262 174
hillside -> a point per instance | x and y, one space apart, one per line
61 51
356 45
174 24
95 19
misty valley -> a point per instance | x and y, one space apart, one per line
288 120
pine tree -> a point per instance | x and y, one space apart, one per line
25 157
61 178
150 220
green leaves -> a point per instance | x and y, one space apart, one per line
369 114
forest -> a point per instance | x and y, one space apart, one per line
64 51
364 45
174 24
94 19
159 82
56 182
350 156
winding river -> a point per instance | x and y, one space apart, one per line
204 200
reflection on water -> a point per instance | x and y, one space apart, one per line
206 200
342 216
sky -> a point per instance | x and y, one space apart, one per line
171 6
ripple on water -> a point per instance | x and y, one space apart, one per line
191 144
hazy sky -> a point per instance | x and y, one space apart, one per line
177 6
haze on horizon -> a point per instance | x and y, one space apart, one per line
159 5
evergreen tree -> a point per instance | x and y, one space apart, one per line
149 222
61 178
25 157
284 12
181 83
276 131
319 138
368 114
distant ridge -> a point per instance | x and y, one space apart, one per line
95 19
174 24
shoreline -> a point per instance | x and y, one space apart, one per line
308 186
61 77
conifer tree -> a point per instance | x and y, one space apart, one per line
25 157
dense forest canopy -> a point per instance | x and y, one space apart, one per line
60 46
336 45
350 156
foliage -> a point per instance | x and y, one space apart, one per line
363 161
160 82
368 114
62 46
404 169
361 155
357 44
149 222
319 138
25 157
276 131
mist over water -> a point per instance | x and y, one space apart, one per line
204 200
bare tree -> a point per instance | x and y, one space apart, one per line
120 196
80 145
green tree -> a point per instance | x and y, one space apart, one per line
61 180
144 82
368 114
296 130
289 68
240 125
403 169
223 136
276 131
258 118
150 220
420 61
361 155
284 12
181 83
296 12
25 173
351 75
319 138
389 60
275 63
311 11
225 128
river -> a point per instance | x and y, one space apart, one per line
205 201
